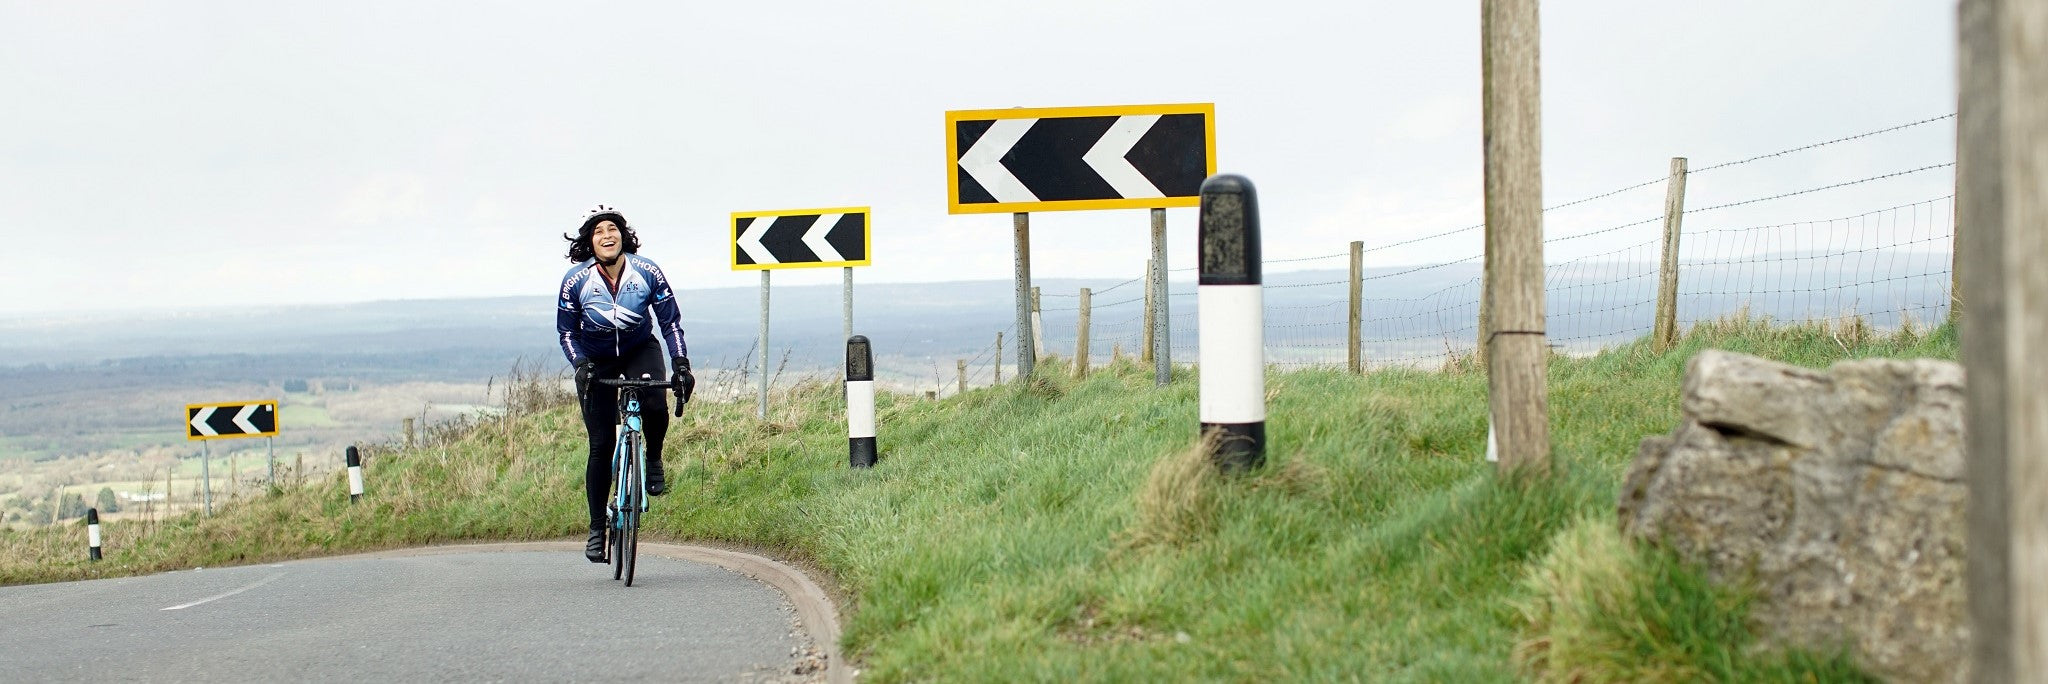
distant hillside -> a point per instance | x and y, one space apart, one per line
94 380
913 324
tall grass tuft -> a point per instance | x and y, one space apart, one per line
1177 503
1599 608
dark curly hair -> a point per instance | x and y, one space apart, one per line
579 245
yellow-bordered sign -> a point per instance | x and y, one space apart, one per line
1071 158
231 420
801 238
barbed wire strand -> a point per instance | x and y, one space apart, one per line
1803 148
1844 184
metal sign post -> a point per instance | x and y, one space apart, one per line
230 420
206 475
1161 325
800 238
1027 338
761 408
846 303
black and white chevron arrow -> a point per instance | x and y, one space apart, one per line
221 421
786 240
1080 158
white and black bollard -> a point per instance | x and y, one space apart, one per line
92 532
860 402
355 475
1230 313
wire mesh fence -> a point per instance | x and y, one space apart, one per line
1887 262
1872 242
1890 267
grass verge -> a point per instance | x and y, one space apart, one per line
1064 529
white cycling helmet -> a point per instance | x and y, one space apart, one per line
601 213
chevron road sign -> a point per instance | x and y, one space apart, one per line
1052 159
230 420
800 238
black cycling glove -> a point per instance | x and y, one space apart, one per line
684 382
585 372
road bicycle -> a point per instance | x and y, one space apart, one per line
629 484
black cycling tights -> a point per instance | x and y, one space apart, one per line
601 414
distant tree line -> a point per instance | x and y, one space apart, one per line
71 505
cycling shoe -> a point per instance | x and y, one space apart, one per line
657 484
594 549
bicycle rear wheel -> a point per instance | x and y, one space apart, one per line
629 533
614 538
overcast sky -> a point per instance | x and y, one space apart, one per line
167 155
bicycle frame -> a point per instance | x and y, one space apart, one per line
627 505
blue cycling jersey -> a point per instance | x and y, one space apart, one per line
594 323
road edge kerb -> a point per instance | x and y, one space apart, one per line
814 607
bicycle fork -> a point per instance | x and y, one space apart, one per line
634 501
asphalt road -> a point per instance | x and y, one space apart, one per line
491 615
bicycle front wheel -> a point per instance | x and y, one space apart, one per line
631 549
636 502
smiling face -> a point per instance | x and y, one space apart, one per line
607 242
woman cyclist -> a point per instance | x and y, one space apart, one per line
612 302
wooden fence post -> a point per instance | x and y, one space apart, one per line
1081 337
2001 204
1354 350
1485 313
1664 333
999 357
408 429
1980 215
1517 355
960 368
1145 347
1037 326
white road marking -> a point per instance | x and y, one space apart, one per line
218 597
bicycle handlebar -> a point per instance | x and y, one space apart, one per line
623 382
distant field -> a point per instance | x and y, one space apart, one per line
42 448
17 448
297 411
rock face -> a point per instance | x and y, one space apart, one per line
1839 494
